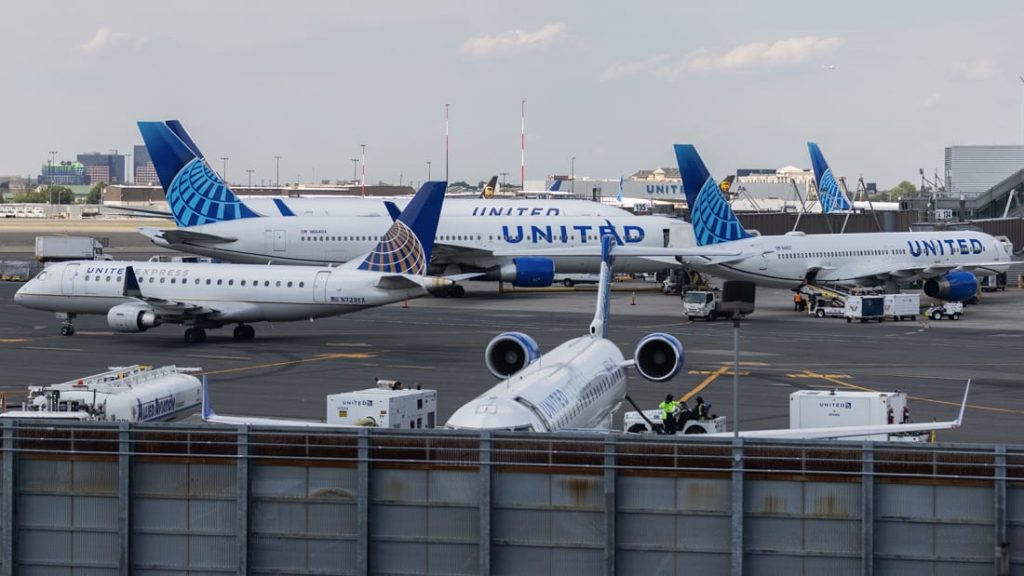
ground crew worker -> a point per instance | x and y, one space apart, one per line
892 417
668 414
797 302
701 409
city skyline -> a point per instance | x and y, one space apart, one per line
881 87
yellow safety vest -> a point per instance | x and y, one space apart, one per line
667 409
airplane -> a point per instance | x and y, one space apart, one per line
136 296
830 196
214 222
946 261
579 384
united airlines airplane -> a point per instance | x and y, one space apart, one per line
579 384
136 296
830 196
212 221
946 261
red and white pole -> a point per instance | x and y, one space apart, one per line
446 142
522 148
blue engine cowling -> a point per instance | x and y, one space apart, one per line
952 287
659 357
510 352
531 272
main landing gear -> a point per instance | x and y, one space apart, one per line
244 332
66 327
195 335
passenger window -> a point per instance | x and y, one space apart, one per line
302 284
220 281
162 280
289 284
173 280
266 283
86 277
232 282
243 282
207 281
151 279
278 285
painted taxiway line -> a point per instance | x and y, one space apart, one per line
320 358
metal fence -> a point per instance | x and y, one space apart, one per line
100 499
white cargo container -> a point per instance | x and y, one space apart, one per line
902 306
387 406
59 248
828 409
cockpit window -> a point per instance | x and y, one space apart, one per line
41 276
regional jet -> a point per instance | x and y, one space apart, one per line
946 261
136 296
213 221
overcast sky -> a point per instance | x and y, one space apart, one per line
882 86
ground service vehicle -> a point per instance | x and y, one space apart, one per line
993 282
386 406
637 424
834 408
902 306
60 248
951 310
701 304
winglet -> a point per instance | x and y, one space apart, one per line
207 409
712 218
830 195
194 192
599 325
131 284
393 210
963 405
406 247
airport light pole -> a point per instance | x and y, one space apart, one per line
446 142
277 176
355 169
224 173
249 171
428 170
53 160
363 179
572 174
503 174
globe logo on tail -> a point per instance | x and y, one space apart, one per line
398 252
198 196
829 195
713 220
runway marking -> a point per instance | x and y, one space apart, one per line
218 357
706 372
350 344
88 333
320 358
809 374
827 378
12 340
53 348
704 384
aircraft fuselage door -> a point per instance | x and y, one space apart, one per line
764 261
665 237
280 241
67 281
320 287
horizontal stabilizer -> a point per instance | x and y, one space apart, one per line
396 282
184 235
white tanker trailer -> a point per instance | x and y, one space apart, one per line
122 394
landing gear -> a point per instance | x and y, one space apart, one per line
66 327
195 335
457 291
244 332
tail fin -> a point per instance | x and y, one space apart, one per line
831 197
195 193
406 247
207 407
599 325
490 187
556 185
712 218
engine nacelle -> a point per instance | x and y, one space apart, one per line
532 272
952 287
132 317
510 352
659 357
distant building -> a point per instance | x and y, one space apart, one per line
143 171
973 170
108 168
64 174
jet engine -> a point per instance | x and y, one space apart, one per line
953 286
532 272
658 356
509 353
132 317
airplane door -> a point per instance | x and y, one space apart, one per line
665 237
764 261
280 241
67 281
320 287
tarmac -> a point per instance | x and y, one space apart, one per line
439 343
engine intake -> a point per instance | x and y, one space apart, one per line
132 318
952 287
659 357
509 353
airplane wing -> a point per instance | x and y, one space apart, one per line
158 213
445 252
183 236
850 431
178 310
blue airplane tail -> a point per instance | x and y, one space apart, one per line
829 194
207 408
712 218
195 193
406 247
556 185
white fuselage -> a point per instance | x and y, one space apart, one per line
786 261
237 292
335 206
579 384
461 242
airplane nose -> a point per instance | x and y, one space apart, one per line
18 296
